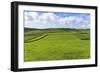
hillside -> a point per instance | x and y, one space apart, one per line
56 44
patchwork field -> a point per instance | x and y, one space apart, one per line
56 44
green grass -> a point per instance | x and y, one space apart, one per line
56 44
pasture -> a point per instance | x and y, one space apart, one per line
56 44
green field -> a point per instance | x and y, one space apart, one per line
56 44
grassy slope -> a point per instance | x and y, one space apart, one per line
57 45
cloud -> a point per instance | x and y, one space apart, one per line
29 16
47 18
52 20
70 20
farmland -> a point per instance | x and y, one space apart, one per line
56 44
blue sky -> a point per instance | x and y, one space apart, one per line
44 20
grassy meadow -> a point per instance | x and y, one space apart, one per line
56 44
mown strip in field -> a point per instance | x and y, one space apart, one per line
38 38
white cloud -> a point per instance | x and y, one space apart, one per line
51 20
29 16
68 20
47 18
88 26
